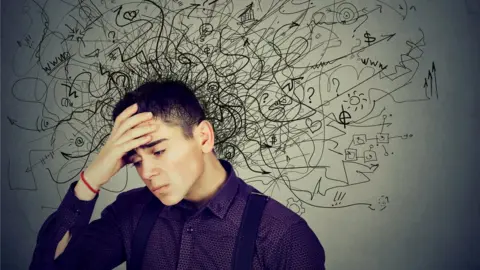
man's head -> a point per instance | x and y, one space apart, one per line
176 154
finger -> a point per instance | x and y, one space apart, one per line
132 144
125 114
135 133
130 123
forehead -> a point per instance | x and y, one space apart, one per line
163 130
161 125
155 120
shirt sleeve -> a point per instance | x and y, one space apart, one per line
93 245
299 248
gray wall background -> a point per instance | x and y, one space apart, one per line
406 198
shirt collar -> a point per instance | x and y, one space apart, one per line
220 201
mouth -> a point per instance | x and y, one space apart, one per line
160 188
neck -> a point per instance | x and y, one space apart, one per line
212 179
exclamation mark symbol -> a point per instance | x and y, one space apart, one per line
337 200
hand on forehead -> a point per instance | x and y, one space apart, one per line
146 123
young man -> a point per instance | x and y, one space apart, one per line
161 130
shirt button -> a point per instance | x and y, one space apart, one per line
190 229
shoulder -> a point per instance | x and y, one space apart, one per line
277 216
281 232
277 219
285 240
288 242
136 194
275 213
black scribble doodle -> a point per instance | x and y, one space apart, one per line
27 41
205 30
368 61
355 101
380 203
346 13
430 84
180 3
369 156
369 39
359 139
351 154
295 205
344 117
76 34
337 200
298 104
56 62
400 7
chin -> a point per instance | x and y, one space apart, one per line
168 199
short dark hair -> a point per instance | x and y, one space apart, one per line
171 100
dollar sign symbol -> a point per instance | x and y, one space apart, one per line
343 117
274 139
369 39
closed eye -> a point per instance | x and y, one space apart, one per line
157 153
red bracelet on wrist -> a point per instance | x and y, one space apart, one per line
88 185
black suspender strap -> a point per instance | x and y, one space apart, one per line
245 243
142 232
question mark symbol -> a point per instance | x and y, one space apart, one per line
112 34
313 92
265 96
338 84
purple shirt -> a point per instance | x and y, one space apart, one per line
182 237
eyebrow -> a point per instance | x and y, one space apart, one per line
152 144
133 152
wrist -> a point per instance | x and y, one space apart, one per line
90 179
92 186
82 192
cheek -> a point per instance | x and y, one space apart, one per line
187 165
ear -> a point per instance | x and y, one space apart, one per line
205 136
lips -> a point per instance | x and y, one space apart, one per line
155 189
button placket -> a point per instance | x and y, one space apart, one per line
77 211
186 246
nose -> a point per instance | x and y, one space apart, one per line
149 170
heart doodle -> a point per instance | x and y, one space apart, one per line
130 15
313 125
